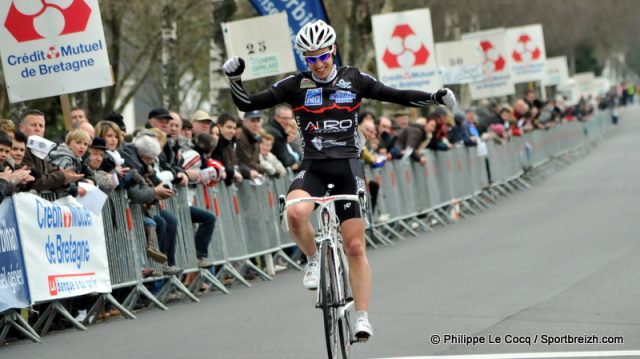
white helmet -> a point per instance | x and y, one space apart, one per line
315 36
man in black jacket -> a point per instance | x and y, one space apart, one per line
278 129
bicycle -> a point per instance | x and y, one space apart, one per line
334 294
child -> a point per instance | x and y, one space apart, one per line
69 154
5 150
18 148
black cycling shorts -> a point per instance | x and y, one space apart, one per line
346 174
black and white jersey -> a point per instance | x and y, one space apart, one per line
327 113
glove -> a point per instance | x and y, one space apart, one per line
445 97
233 68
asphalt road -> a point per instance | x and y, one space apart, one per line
559 259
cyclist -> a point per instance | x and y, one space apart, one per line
325 102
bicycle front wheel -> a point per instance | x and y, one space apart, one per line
328 300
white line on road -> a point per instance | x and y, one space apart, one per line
585 354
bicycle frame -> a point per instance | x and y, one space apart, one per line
333 298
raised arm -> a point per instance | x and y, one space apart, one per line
233 68
376 90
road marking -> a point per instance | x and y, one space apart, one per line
586 354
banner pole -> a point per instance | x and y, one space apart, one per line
66 111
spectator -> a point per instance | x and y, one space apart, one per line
112 160
18 148
78 117
294 143
88 128
459 133
187 130
93 161
248 145
278 129
168 161
470 125
269 163
201 122
432 141
47 177
70 155
387 139
409 140
402 120
215 134
119 121
225 151
6 164
161 229
8 127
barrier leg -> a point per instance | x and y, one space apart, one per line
442 213
140 289
407 228
227 267
13 319
47 318
174 283
381 237
281 254
124 311
368 240
393 231
259 272
523 182
102 299
208 277
466 205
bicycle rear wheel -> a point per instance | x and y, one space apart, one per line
328 300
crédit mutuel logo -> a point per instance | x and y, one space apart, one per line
34 20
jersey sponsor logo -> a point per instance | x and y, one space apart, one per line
313 97
329 126
319 143
347 206
300 175
360 184
307 83
344 84
343 96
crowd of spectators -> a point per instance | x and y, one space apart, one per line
173 151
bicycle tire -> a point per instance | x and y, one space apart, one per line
344 324
328 298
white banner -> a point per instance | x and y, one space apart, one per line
63 247
585 83
459 62
497 72
557 71
405 50
52 48
264 43
525 46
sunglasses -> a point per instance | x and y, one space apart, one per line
311 60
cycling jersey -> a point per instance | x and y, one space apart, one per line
327 112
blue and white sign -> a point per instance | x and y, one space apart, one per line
299 13
14 290
50 48
64 248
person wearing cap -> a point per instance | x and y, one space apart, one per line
159 118
326 101
118 120
248 145
48 177
93 161
201 122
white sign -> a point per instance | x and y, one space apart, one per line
557 71
63 247
405 50
527 54
585 84
459 62
50 48
263 42
497 72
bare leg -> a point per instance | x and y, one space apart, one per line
300 227
359 271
